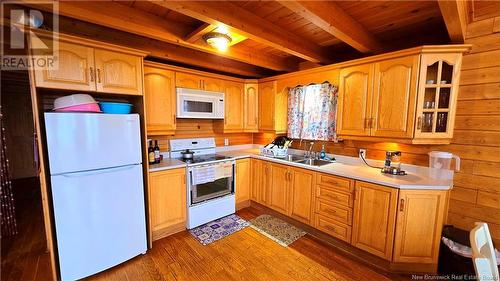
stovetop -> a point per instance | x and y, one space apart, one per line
205 158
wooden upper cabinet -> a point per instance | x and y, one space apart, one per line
354 100
251 108
420 220
167 201
212 84
75 69
437 96
233 108
301 195
160 99
190 81
394 96
279 188
243 175
118 73
267 93
374 219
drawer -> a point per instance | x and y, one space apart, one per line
339 184
330 210
341 198
333 228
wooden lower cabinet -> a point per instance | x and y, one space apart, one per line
301 195
419 224
279 188
334 228
243 176
261 180
374 218
167 202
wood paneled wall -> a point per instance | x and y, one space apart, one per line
199 128
476 194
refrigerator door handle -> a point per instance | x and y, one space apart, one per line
96 172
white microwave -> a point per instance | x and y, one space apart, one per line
199 104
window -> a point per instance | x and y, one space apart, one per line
312 112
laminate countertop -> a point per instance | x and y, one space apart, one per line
349 167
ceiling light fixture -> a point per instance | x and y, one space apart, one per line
218 40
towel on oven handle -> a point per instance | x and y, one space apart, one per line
224 170
203 174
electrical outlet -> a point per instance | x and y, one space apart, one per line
362 153
226 142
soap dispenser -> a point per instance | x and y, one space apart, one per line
322 154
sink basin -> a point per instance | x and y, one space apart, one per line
314 162
294 158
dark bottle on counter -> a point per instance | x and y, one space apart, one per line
157 152
151 153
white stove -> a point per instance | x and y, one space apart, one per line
210 180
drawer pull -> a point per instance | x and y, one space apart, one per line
401 205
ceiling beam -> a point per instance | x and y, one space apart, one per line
198 33
250 25
333 19
124 18
455 15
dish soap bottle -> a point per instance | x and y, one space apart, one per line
156 150
322 154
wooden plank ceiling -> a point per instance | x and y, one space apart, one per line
272 36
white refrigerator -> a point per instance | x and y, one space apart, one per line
97 190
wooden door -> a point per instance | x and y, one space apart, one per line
301 198
420 220
185 80
354 101
267 95
279 188
251 108
256 168
167 202
118 73
374 218
159 94
394 97
243 177
75 69
212 84
437 96
234 104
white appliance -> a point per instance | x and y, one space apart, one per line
210 181
97 190
199 104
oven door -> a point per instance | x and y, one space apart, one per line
222 185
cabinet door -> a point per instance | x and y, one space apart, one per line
267 95
279 188
374 218
265 182
159 93
233 119
302 195
281 112
118 73
242 180
419 225
75 69
256 168
354 102
191 81
212 84
251 108
394 97
167 201
437 95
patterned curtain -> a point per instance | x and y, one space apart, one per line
7 215
311 112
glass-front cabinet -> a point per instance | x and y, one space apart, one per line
437 97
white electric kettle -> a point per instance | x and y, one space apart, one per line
442 160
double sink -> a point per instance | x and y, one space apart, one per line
307 161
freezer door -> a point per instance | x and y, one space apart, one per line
88 141
99 219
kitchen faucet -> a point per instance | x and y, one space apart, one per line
310 153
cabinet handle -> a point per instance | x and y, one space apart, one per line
419 123
91 74
372 123
366 123
401 205
175 119
98 75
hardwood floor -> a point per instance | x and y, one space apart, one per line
245 255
